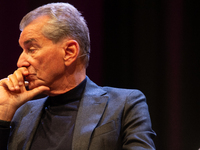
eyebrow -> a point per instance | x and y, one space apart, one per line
29 41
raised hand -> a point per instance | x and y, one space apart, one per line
13 93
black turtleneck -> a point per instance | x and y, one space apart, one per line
55 130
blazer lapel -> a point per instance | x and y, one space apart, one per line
90 112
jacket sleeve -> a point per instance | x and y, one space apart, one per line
4 134
137 133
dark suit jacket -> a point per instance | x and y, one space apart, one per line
108 119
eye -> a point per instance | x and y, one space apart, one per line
31 50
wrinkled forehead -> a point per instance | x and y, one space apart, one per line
33 30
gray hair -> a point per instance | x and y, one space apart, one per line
65 21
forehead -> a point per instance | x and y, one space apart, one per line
33 30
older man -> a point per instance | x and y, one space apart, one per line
50 103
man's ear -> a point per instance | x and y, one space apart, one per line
72 49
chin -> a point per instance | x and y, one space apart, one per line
32 86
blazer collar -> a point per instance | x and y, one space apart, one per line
91 109
92 106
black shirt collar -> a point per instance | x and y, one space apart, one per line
70 96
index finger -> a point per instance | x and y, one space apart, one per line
23 70
20 73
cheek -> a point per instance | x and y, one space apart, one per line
51 65
48 62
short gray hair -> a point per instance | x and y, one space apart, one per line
65 21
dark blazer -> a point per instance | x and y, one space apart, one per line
108 119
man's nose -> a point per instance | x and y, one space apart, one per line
23 60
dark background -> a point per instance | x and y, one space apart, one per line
152 46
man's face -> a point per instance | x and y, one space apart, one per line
43 59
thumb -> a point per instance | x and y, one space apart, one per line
36 91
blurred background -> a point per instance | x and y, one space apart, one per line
152 46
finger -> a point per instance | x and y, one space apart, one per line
20 77
13 81
36 91
7 84
23 70
21 73
17 79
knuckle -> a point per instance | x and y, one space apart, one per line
9 76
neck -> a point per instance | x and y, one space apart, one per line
68 82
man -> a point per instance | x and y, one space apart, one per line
50 103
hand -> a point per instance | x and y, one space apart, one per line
13 93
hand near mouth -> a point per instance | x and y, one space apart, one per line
13 93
